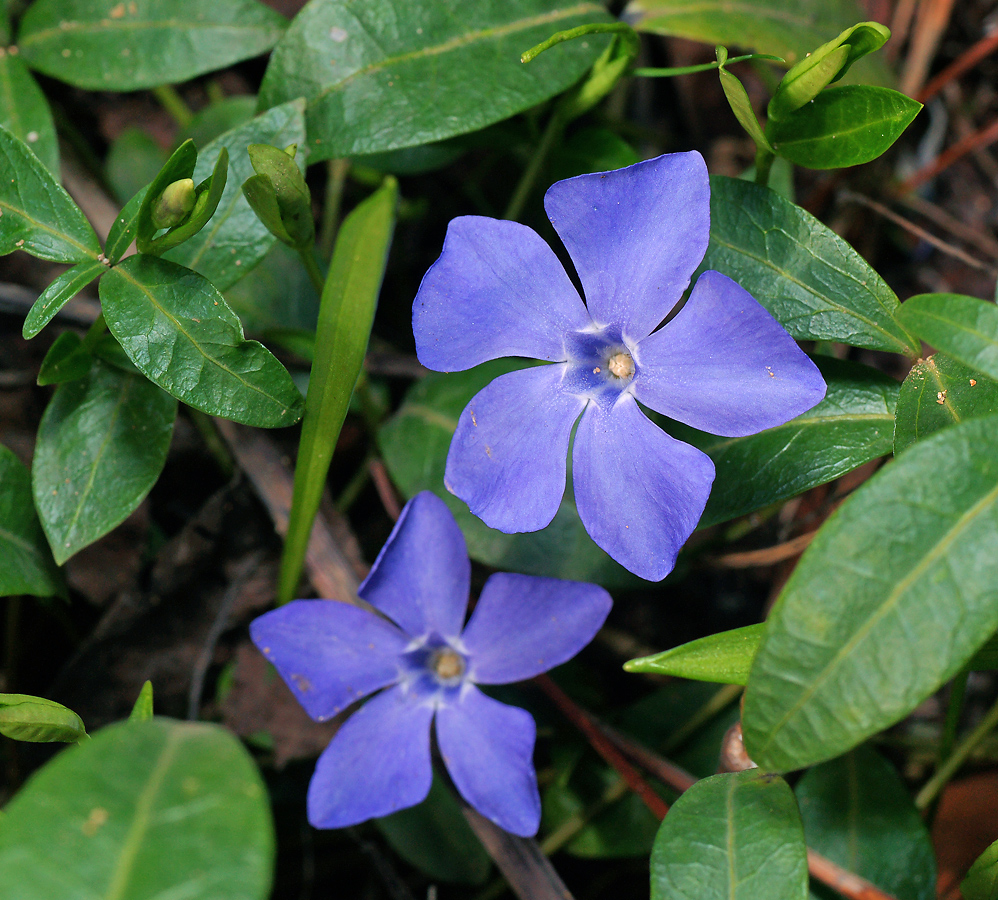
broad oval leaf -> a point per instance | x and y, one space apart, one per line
24 111
36 214
962 327
145 809
725 657
28 567
128 46
812 281
891 599
364 68
937 392
414 444
981 882
182 335
843 126
102 443
731 837
235 240
858 813
59 293
35 719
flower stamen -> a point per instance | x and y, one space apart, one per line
447 665
621 364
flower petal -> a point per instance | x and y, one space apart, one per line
725 365
377 763
523 626
330 654
489 751
639 492
422 575
508 456
636 235
496 290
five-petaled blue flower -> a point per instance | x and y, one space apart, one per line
722 364
332 654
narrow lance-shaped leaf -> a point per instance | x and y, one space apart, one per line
981 882
102 443
812 281
65 287
142 710
346 313
36 214
962 327
182 335
24 111
860 635
128 46
124 229
35 719
725 657
67 359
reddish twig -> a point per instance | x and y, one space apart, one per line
383 485
931 20
982 138
967 60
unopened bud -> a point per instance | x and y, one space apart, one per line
174 204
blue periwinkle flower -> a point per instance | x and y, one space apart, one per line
722 364
332 654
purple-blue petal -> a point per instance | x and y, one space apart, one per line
330 654
497 290
488 748
509 453
523 626
639 492
636 235
422 575
725 365
377 763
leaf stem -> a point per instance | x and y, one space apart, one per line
336 175
174 104
702 67
312 267
528 179
763 165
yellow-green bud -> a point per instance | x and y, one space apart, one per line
174 204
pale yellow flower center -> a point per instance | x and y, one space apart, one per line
447 664
621 365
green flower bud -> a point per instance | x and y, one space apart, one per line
174 204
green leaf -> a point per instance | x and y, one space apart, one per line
962 327
843 126
590 150
128 46
181 334
223 115
36 214
414 444
124 229
289 191
811 280
67 359
145 809
364 69
725 657
731 837
35 719
851 426
937 392
741 106
102 443
142 710
133 160
236 240
28 567
25 112
858 813
59 293
180 165
981 882
346 313
435 837
859 636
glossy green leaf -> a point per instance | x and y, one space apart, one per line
24 111
937 392
102 443
435 837
851 426
364 69
741 106
346 314
962 327
590 150
860 635
843 126
145 809
725 657
133 160
286 185
981 882
181 334
414 444
142 710
63 289
124 229
235 240
128 46
28 567
67 359
223 115
731 837
858 813
811 280
35 719
36 214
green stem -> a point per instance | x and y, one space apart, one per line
933 787
702 67
312 267
336 176
724 697
530 175
763 165
355 485
213 441
174 104
953 711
